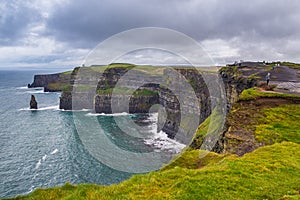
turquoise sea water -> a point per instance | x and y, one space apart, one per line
43 149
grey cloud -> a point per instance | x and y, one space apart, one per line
85 24
257 29
15 20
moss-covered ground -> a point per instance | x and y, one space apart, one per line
271 171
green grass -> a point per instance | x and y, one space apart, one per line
147 69
279 124
128 91
267 119
82 88
210 126
232 71
254 93
54 86
290 64
59 86
270 172
66 87
67 72
144 92
102 68
253 76
193 159
121 91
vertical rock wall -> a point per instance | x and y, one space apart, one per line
186 95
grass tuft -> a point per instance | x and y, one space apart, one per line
254 93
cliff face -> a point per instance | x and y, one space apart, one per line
100 92
186 95
139 104
51 82
235 83
44 80
186 103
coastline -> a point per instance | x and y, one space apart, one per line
241 143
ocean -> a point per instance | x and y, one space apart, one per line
42 148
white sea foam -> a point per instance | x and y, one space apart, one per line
44 157
50 108
160 140
153 118
22 88
38 164
85 109
54 152
103 114
26 88
21 109
30 189
82 110
42 108
36 92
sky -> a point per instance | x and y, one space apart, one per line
61 33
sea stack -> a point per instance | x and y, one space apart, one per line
33 103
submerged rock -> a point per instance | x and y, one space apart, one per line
33 103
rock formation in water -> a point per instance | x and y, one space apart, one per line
33 103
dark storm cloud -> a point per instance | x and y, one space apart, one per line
85 23
97 20
228 29
15 20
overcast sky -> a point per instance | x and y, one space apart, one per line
60 33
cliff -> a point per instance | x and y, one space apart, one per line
51 82
93 89
182 91
262 124
270 172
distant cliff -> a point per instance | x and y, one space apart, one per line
51 82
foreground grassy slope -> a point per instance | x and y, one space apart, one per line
269 172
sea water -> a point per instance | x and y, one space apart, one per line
42 148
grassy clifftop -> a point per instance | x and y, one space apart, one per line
270 170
